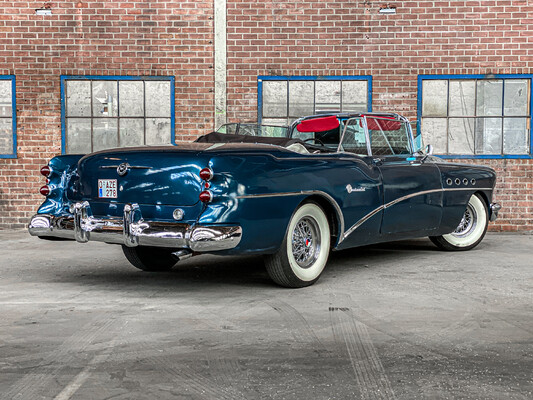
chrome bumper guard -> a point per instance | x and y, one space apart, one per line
494 209
132 230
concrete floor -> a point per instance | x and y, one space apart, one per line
401 320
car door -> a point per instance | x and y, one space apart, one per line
412 188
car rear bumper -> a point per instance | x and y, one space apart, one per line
132 230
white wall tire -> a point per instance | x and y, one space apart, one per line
304 251
470 231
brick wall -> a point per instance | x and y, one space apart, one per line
304 37
136 37
342 37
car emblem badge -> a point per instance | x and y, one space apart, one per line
122 169
351 189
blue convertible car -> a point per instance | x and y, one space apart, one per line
330 182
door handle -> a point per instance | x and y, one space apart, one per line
377 161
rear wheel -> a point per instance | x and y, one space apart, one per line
152 259
304 251
470 231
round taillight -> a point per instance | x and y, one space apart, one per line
206 196
45 190
46 171
206 174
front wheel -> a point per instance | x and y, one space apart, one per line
304 251
471 229
151 259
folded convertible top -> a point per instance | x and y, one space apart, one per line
217 137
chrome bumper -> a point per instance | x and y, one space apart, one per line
494 209
132 230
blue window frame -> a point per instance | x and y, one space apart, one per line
282 99
477 116
99 112
8 117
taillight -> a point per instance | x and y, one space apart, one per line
46 171
45 190
206 196
206 174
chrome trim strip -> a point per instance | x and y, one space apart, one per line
391 203
129 166
304 193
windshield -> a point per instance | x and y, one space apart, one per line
386 136
254 130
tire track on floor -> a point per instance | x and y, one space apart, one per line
32 385
353 336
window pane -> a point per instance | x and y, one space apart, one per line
6 99
462 98
354 96
131 132
131 95
461 135
328 96
104 134
434 133
78 95
388 137
488 136
516 134
489 97
434 98
157 99
516 97
301 98
157 131
105 99
78 135
6 136
274 98
354 139
274 121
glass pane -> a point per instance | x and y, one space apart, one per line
488 135
388 137
157 131
434 98
131 98
157 98
105 99
462 98
6 136
489 97
434 133
301 98
461 135
328 96
274 121
78 135
104 134
78 96
515 137
131 132
354 96
274 98
354 139
516 97
6 98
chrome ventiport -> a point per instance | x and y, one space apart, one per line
449 181
457 181
473 181
465 181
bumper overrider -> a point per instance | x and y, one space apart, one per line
132 230
494 210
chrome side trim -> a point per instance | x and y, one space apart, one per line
129 166
305 193
398 200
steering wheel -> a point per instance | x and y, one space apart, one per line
320 142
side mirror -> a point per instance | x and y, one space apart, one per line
428 151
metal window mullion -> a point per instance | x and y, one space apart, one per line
118 114
448 116
144 111
475 115
288 100
92 114
503 114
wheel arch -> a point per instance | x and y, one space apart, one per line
333 214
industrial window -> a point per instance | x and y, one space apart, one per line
476 115
281 100
8 120
104 112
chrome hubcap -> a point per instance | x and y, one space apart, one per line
467 224
306 242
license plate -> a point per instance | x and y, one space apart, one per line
107 188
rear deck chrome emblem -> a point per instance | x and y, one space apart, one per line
122 169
